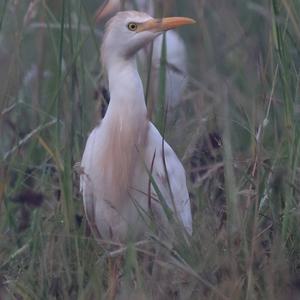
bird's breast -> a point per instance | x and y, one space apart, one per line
121 147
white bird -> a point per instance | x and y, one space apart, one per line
125 148
176 57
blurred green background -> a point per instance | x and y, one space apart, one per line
237 132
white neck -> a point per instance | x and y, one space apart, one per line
126 89
124 128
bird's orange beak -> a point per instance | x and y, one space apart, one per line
164 24
107 9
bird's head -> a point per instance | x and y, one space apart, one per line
129 31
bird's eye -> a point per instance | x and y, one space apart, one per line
132 26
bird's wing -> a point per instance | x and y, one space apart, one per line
85 181
86 158
169 174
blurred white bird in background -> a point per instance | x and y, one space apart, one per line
176 57
120 196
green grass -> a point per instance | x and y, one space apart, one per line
244 59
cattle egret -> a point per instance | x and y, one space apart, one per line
176 57
125 148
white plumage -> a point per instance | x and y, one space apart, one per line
121 152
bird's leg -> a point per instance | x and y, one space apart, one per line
113 277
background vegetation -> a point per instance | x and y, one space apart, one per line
237 132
